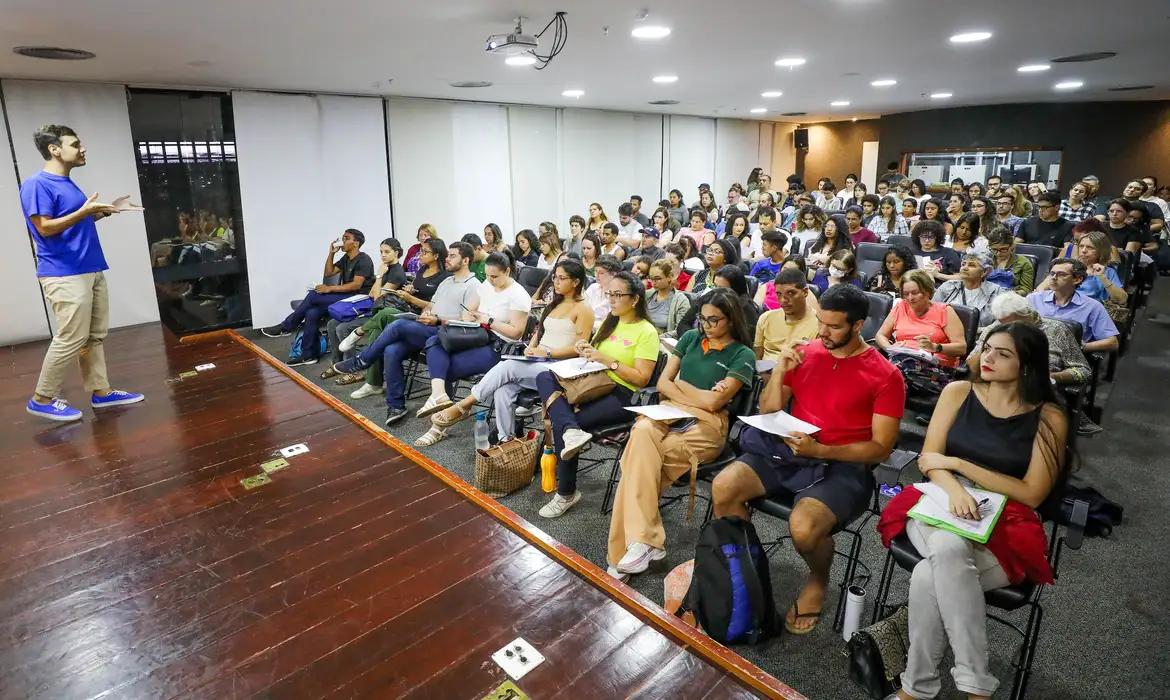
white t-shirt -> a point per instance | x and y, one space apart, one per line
499 304
597 300
631 230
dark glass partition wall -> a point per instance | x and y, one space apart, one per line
186 156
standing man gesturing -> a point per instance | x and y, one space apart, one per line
71 268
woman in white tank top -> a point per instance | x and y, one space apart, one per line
566 320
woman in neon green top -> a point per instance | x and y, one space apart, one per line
626 343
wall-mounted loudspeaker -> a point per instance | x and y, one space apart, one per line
800 139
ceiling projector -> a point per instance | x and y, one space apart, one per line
512 44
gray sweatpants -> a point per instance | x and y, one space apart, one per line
946 602
503 383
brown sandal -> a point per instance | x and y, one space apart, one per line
329 372
440 420
352 378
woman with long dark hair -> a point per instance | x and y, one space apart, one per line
705 372
1008 434
493 239
834 237
527 248
550 246
932 210
566 320
627 345
887 221
967 237
590 249
739 230
678 208
721 252
897 261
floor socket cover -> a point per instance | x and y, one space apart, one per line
518 658
293 450
204 368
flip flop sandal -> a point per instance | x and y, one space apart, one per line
330 372
352 378
796 630
441 420
430 437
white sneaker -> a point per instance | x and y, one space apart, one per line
525 411
638 558
575 439
350 341
366 390
559 505
617 574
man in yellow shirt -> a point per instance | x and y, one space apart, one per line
794 322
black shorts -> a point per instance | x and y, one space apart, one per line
846 488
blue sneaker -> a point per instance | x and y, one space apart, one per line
115 398
353 364
56 410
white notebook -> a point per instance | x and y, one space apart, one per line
934 508
575 367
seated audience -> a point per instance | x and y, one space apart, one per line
479 257
641 269
1010 270
1120 232
918 190
636 206
897 261
690 259
678 209
563 323
793 322
972 288
591 249
577 229
967 236
527 248
698 227
766 293
923 324
704 373
1007 434
887 221
411 263
1049 228
709 208
1077 208
1079 231
809 225
910 211
665 304
940 262
550 247
627 344
628 229
390 278
357 277
842 268
858 233
738 230
827 198
845 387
736 203
1101 281
1134 192
869 205
1006 203
856 195
932 211
652 243
597 217
773 255
730 277
1062 300
721 252
405 337
493 239
834 238
611 239
597 295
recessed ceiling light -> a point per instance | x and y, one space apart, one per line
665 78
471 84
663 102
840 103
521 60
573 93
1033 68
771 93
1068 85
650 31
53 53
939 95
885 82
970 37
759 110
790 62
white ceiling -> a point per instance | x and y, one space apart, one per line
723 52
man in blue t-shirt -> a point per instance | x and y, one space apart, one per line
62 222
766 269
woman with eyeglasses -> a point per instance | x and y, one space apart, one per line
842 269
411 263
627 345
833 238
721 252
1010 270
705 372
927 242
666 304
923 324
564 322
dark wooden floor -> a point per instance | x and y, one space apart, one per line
133 564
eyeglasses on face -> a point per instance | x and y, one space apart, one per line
561 278
711 321
618 295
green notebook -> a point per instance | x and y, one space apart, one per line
934 509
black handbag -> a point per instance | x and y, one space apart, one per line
459 338
877 655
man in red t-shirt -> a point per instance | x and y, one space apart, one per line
856 397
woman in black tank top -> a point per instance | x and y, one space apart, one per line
1004 434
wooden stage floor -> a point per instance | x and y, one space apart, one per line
133 564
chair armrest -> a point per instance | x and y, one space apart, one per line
644 397
888 472
1075 528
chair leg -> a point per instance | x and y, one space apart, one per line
883 591
611 485
1027 652
847 579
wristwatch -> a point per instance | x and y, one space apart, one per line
613 366
939 347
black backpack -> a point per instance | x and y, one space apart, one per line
731 590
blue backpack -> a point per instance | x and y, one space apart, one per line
295 352
731 588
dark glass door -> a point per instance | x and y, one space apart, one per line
186 155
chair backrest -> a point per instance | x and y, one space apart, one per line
969 315
869 258
879 307
531 277
753 286
901 240
1036 279
1125 265
530 327
1078 331
808 246
1041 256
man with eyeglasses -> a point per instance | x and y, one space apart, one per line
1062 300
994 182
1003 213
1049 228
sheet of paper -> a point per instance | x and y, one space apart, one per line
912 352
524 358
780 423
660 412
923 261
765 365
936 506
356 297
459 324
575 367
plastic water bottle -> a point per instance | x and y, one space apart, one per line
481 431
548 471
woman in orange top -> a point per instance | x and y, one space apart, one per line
923 324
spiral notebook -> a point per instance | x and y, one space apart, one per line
934 509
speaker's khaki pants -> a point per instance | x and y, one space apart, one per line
81 305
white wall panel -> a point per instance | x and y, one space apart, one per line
764 157
24 310
99 115
596 153
648 180
691 159
482 188
293 213
737 151
536 168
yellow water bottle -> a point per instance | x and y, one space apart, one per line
548 471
